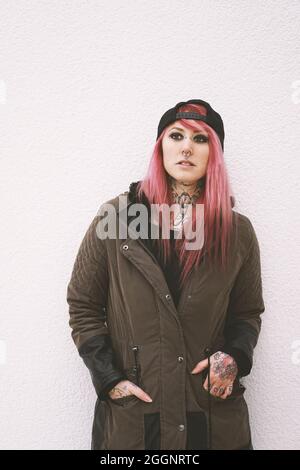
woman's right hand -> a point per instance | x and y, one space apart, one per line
125 388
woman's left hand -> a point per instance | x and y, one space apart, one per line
223 371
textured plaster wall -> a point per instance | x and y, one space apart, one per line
82 87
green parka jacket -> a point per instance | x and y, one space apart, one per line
125 325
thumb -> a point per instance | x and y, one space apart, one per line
139 393
200 366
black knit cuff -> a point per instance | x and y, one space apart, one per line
241 359
103 394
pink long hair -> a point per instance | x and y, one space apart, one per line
216 196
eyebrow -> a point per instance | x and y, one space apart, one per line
180 129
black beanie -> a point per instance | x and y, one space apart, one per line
213 119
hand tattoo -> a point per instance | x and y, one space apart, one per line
120 390
224 366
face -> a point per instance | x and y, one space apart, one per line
181 144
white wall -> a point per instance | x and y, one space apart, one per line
82 87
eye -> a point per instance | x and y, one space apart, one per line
175 134
201 138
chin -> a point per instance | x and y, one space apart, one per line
184 178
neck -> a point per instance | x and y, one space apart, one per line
187 191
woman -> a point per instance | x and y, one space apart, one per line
166 329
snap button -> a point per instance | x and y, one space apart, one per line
125 247
180 358
189 296
181 427
168 297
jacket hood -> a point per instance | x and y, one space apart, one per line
132 193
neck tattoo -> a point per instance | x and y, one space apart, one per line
184 200
182 197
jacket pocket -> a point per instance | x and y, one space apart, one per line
126 401
238 389
133 373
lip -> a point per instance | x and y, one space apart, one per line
185 164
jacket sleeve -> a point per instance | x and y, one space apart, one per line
246 304
87 297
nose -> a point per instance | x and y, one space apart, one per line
186 144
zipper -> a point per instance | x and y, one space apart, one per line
136 367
